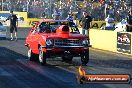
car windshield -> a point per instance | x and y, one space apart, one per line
52 26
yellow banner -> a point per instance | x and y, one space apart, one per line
95 24
98 24
32 21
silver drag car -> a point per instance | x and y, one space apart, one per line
3 31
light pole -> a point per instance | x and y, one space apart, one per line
28 5
50 14
2 5
106 6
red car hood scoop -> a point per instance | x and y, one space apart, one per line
63 29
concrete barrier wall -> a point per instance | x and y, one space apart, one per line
102 39
107 40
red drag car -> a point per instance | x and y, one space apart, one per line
50 38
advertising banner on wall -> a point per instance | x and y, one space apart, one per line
32 21
124 42
95 24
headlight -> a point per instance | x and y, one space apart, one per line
49 42
85 42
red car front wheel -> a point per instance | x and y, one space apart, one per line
42 56
31 55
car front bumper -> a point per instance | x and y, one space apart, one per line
64 47
66 50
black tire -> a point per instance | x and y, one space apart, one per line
42 56
31 55
85 57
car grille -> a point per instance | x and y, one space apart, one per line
68 42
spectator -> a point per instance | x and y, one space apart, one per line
13 24
86 23
109 23
70 18
56 16
71 22
129 22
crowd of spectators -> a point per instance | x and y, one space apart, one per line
116 8
45 8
